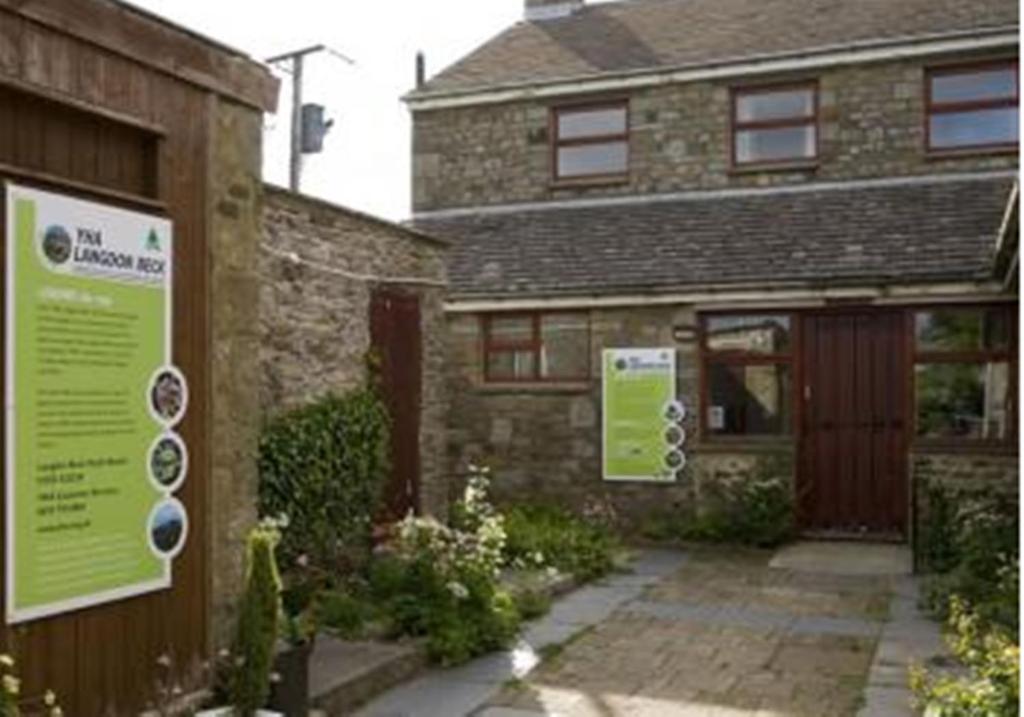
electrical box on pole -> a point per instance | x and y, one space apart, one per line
314 128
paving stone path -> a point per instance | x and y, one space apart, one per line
712 632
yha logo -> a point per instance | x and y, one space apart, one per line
152 241
57 244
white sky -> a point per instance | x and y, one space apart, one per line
366 158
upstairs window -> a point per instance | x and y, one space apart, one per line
775 124
551 346
973 107
591 141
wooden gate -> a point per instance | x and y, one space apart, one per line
103 102
852 479
397 341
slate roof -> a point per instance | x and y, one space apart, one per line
643 35
883 231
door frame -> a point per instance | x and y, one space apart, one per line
905 394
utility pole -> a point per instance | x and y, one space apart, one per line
295 159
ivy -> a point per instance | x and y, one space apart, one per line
323 465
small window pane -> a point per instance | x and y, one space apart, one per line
748 400
591 123
974 128
766 145
994 84
511 330
610 158
962 330
565 340
510 365
784 104
963 400
749 334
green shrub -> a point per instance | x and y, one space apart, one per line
544 535
344 613
992 657
753 508
749 510
257 623
969 542
532 604
323 466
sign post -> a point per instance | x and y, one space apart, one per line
643 437
91 403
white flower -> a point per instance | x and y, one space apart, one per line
458 590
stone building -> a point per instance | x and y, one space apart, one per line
802 199
336 284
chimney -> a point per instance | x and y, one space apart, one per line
551 9
421 69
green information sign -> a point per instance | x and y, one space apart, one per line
642 434
92 458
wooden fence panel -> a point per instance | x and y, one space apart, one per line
103 659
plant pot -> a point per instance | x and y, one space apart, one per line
290 694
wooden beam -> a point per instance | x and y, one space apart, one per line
155 43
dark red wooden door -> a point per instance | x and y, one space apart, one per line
853 474
397 341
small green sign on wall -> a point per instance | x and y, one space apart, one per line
643 438
92 402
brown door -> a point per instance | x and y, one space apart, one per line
853 473
396 339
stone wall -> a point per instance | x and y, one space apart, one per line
235 197
544 441
314 323
871 124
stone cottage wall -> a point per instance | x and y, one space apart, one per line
871 125
544 441
314 325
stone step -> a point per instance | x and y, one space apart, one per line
345 674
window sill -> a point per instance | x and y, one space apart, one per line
953 447
617 180
534 387
745 444
971 152
763 167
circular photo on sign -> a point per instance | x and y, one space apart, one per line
675 460
674 435
56 244
168 462
674 411
167 395
167 528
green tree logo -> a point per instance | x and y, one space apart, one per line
152 241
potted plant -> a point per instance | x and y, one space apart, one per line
246 683
289 693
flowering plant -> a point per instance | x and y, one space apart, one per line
13 704
475 541
442 580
